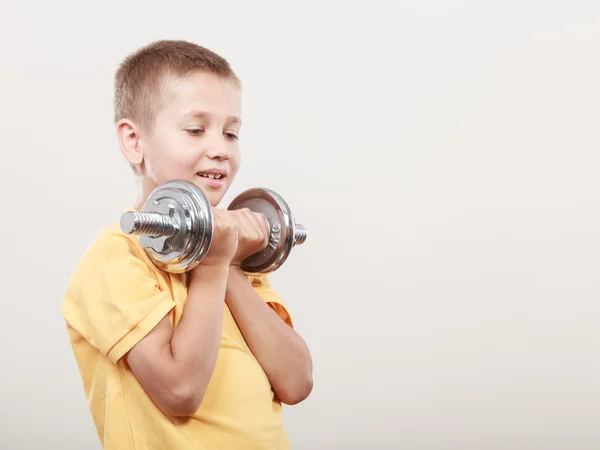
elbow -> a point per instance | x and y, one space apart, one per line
183 400
297 392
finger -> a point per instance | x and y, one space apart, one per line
224 222
259 224
258 227
246 226
258 220
262 221
262 226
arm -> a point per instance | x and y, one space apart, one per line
281 352
175 366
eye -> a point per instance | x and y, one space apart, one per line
231 136
195 131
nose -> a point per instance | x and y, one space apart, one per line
219 151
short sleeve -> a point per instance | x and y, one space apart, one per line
114 299
262 286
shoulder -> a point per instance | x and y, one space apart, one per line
112 291
111 254
111 239
114 268
111 244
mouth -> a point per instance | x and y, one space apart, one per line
213 178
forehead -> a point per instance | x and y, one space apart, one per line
202 91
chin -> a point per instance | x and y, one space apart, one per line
213 197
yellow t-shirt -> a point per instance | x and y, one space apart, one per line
115 297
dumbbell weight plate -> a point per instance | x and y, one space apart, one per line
281 224
191 210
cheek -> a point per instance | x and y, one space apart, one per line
183 163
168 162
177 167
235 162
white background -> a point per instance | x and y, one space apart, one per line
443 156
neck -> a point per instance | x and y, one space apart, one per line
145 188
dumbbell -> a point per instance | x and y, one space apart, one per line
176 227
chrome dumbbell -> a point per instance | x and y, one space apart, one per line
176 227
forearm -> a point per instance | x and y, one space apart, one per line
175 366
281 352
195 342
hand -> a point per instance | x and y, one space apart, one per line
253 234
224 243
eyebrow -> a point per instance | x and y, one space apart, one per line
206 115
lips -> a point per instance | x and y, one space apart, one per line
213 173
216 176
212 177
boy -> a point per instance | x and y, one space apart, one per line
204 359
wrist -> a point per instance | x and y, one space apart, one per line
209 272
235 277
236 271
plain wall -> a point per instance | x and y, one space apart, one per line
443 156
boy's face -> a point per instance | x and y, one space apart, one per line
195 136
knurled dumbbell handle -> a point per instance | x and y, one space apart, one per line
148 223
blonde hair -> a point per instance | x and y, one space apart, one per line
140 79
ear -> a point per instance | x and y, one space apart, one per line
129 141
